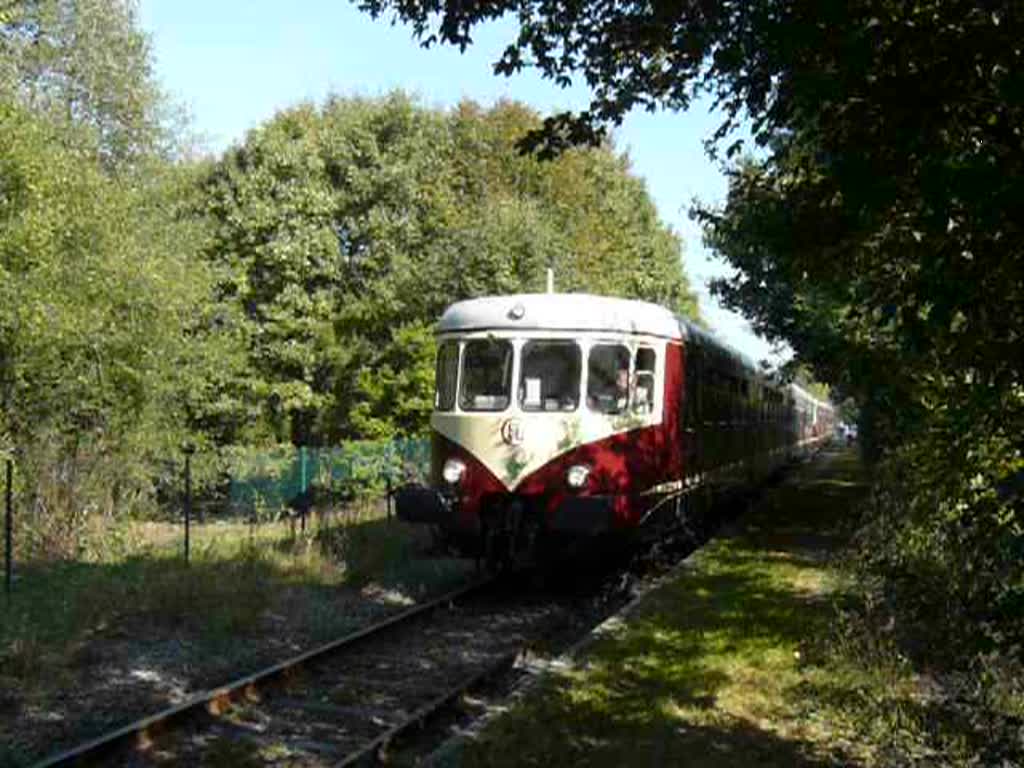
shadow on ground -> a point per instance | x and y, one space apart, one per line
85 646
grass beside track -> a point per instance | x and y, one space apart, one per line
721 667
88 644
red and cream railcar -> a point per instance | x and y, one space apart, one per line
564 415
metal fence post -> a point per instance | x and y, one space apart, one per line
201 512
302 490
9 530
188 450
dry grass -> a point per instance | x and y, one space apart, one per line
132 627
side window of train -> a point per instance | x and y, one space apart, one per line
550 379
447 375
608 378
690 411
711 388
646 364
721 397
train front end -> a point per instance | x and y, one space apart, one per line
551 421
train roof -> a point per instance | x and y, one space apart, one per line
561 312
578 312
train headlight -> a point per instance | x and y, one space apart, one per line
453 471
577 476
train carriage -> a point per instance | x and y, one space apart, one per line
560 416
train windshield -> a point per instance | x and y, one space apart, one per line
486 375
550 379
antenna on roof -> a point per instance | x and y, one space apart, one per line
551 280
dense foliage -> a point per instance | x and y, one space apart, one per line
98 339
100 290
85 64
344 231
881 237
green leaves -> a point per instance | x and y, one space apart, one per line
100 329
344 231
85 64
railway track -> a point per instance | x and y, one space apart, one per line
137 742
350 701
346 702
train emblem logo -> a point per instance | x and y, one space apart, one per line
512 432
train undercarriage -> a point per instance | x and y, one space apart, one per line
516 530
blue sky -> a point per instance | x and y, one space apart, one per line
233 64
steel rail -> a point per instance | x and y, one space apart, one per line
372 752
216 700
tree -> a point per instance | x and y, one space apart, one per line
85 63
99 337
346 230
112 350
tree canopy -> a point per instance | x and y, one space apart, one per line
110 342
85 63
345 230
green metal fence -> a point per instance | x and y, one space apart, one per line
271 480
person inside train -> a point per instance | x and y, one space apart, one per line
621 388
608 378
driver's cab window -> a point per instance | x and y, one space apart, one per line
643 395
